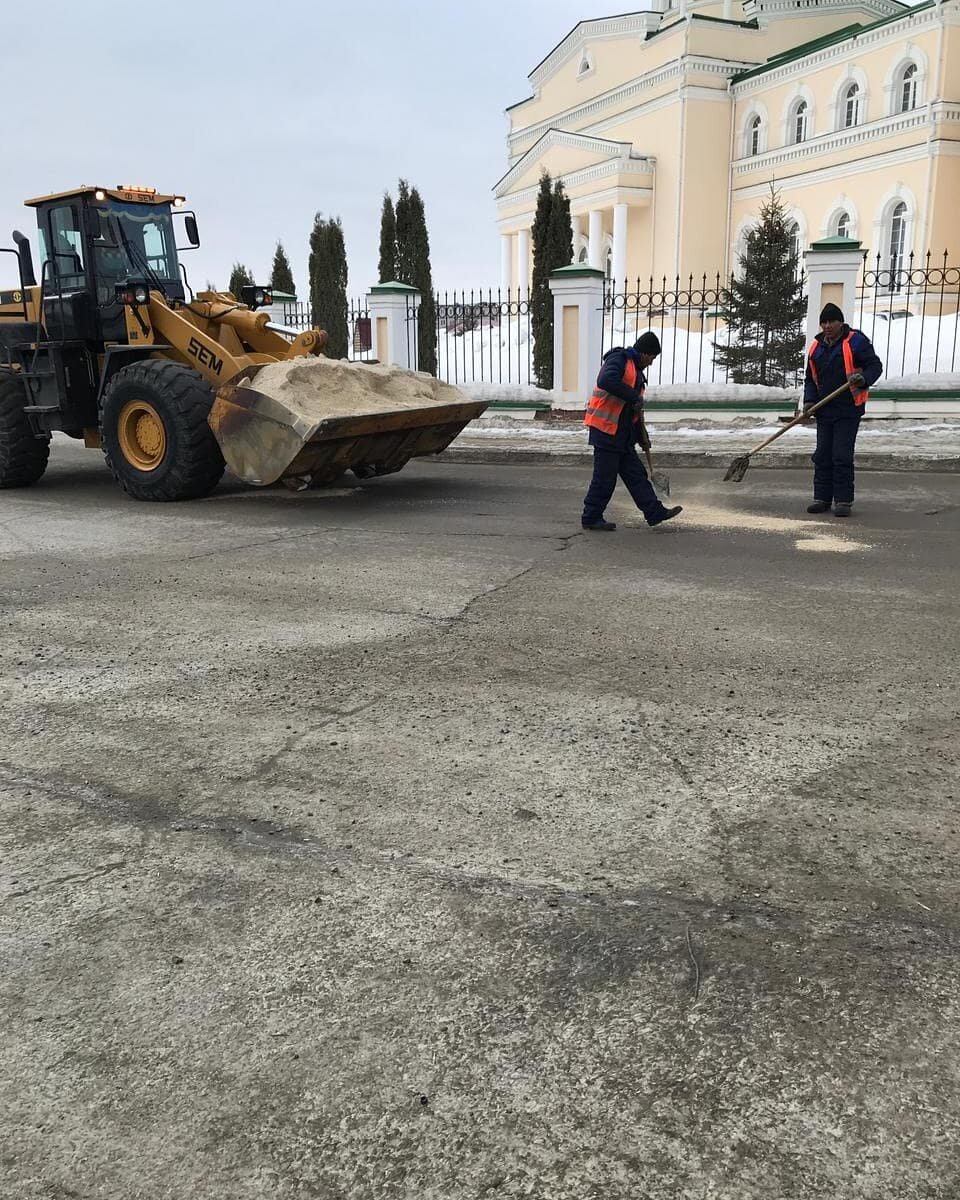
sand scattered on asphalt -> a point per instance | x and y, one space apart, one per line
830 543
810 537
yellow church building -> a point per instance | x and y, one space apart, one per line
668 126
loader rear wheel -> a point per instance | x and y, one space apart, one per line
23 455
156 440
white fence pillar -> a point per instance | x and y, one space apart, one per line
577 333
833 268
393 307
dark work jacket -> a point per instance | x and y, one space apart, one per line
610 380
831 374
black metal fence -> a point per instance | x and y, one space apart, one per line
686 314
910 310
360 347
483 336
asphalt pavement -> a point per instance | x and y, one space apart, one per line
405 840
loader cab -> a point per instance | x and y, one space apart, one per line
89 242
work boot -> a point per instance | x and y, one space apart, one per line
842 510
819 506
599 526
667 514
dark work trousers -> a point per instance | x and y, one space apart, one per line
607 465
833 458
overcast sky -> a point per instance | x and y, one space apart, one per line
264 113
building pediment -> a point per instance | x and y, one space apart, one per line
559 153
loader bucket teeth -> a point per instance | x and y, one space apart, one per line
315 418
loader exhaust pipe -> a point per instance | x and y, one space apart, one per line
29 278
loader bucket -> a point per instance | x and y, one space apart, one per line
307 420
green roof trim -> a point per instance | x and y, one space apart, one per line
839 35
576 269
393 286
725 21
801 51
836 243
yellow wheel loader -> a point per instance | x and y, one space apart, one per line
112 346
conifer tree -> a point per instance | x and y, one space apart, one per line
423 281
387 270
281 277
404 234
764 308
413 268
552 248
239 276
328 284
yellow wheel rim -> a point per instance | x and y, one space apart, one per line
143 438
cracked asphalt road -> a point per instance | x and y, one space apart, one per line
402 840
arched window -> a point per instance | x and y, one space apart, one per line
753 135
608 263
843 225
908 88
851 106
898 235
800 122
583 255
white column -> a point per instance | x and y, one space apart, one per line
393 309
576 228
523 260
506 254
595 252
619 265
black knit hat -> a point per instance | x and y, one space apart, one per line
830 312
647 343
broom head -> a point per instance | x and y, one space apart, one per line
737 469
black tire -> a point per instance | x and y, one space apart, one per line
181 461
23 455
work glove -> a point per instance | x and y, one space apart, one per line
856 379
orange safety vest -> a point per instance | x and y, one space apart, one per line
603 411
860 395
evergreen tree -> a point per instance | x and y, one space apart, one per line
552 248
281 277
239 276
404 234
388 241
328 284
422 280
764 308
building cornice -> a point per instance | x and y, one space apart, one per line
889 31
844 139
637 24
687 64
857 166
637 167
621 152
767 9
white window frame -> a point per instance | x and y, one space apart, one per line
851 105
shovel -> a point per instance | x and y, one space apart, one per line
738 468
659 479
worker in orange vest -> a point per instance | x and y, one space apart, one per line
837 355
614 417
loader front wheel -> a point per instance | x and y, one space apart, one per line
156 439
23 455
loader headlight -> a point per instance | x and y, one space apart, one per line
132 293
